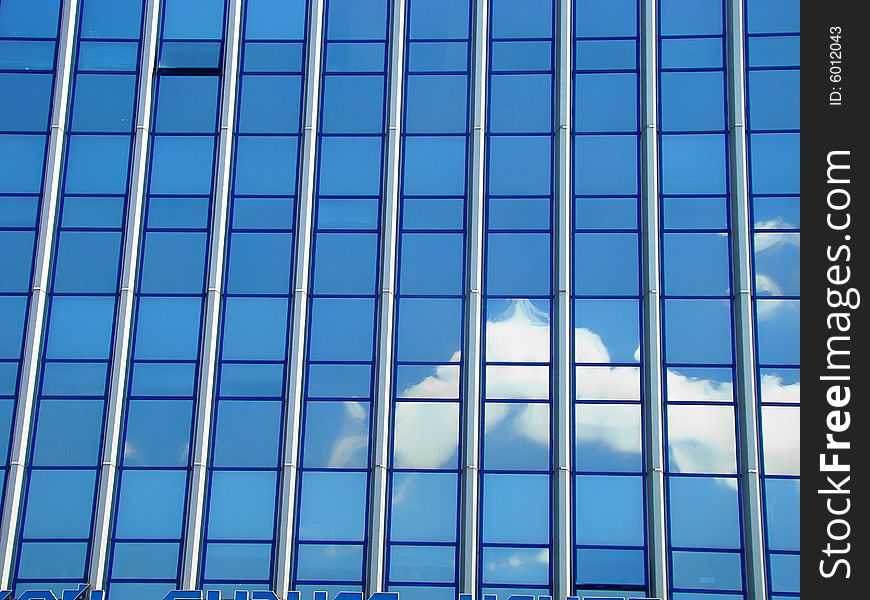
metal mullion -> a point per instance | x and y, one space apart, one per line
305 227
124 321
376 528
472 353
51 189
193 544
561 563
754 559
652 372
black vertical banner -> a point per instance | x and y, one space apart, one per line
835 106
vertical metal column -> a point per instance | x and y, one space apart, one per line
380 456
472 352
27 389
301 275
744 334
653 404
126 300
211 323
560 563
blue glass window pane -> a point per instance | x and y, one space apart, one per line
275 19
151 504
87 261
776 213
774 51
339 381
606 18
520 165
610 567
18 211
698 331
21 161
693 164
173 262
518 264
98 212
26 54
259 263
336 435
515 432
606 164
246 434
48 518
605 55
774 99
111 19
12 314
429 329
73 379
193 19
329 563
436 56
350 166
342 329
266 165
777 264
345 263
80 327
606 264
433 213
704 512
186 104
190 55
163 379
178 213
255 328
520 103
521 56
52 447
775 162
701 439
519 213
168 328
606 213
252 380
145 561
785 572
516 509
181 165
97 164
606 102
238 561
621 497
446 152
436 103
698 53
263 213
157 433
696 264
242 505
347 213
134 591
427 564
695 213
29 18
25 99
423 507
267 105
608 438
333 506
505 565
778 331
431 263
773 16
521 19
52 560
357 19
782 504
272 57
607 331
108 56
447 19
691 17
356 57
16 247
693 101
353 104
707 570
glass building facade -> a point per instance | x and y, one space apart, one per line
428 296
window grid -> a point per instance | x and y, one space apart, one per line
158 421
82 302
771 44
251 379
516 462
606 297
29 47
341 333
422 557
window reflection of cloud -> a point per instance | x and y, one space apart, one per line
521 333
353 437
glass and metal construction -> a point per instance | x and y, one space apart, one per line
435 297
